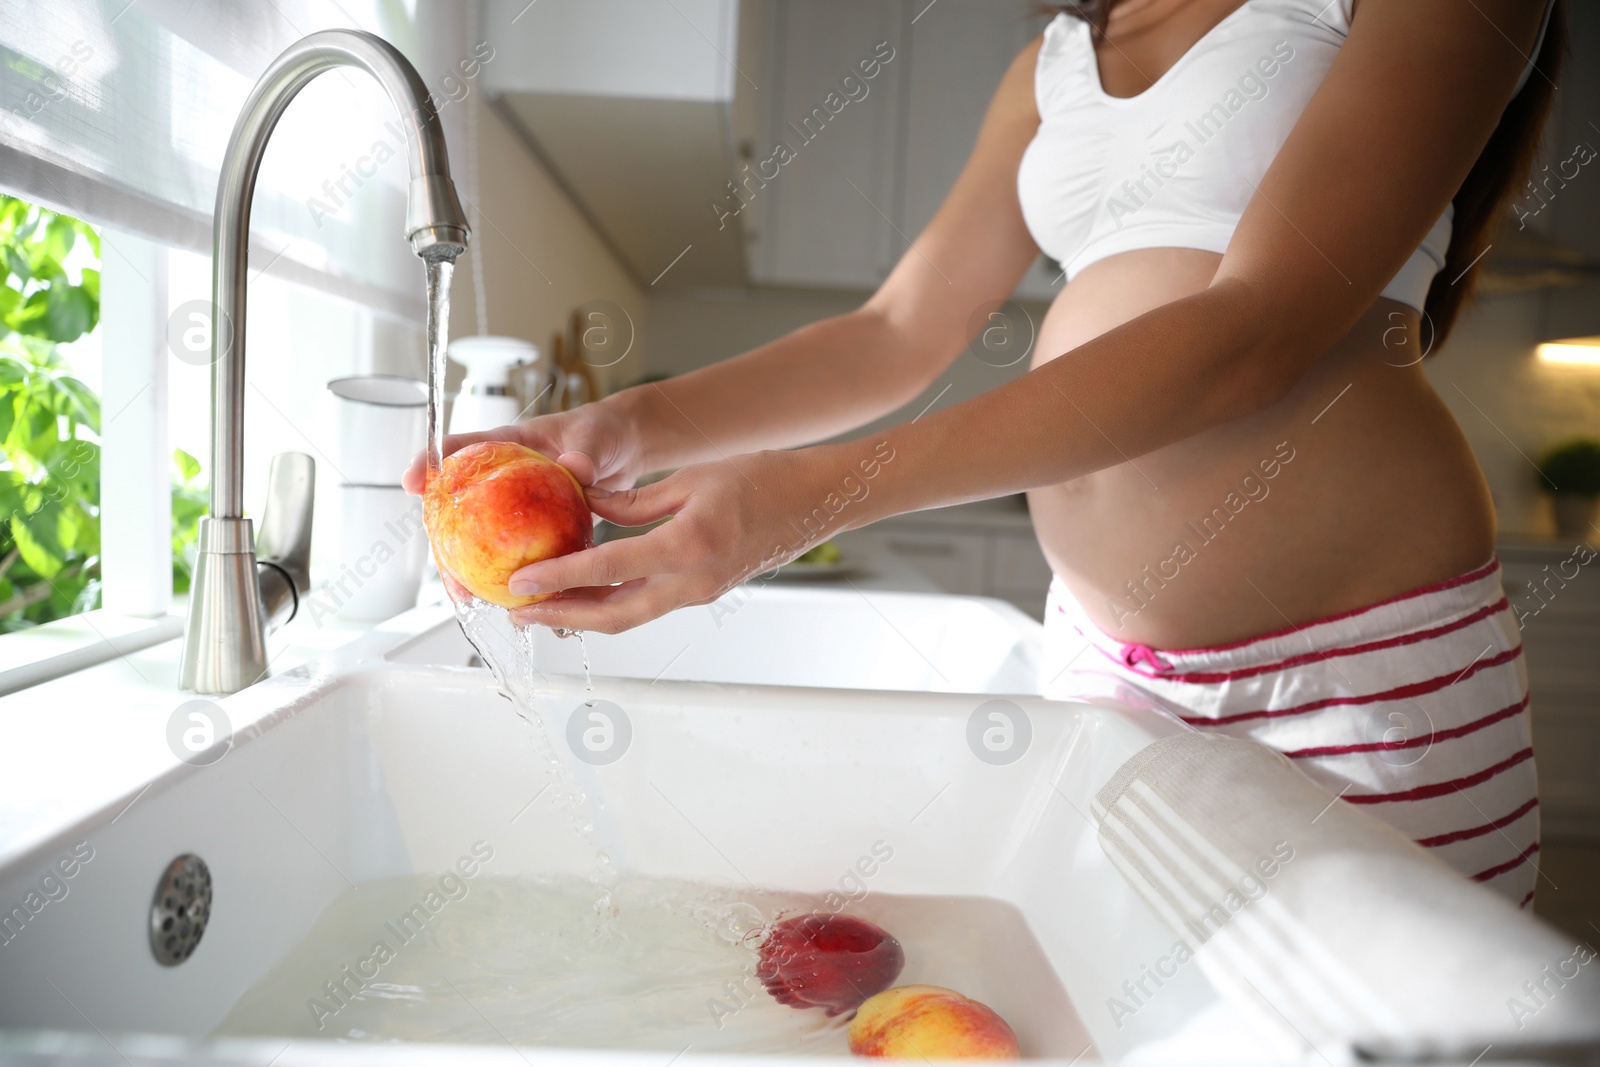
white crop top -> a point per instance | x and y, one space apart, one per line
1175 166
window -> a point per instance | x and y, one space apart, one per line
120 119
51 424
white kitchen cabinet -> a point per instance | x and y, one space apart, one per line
960 49
824 216
956 562
985 549
1018 571
614 48
1561 639
799 143
637 111
842 213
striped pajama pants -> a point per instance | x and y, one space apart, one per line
1414 708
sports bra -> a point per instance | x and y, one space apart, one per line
1175 166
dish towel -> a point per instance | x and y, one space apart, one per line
1330 927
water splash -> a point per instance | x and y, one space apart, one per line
588 675
508 651
583 650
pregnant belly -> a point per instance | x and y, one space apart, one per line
1355 487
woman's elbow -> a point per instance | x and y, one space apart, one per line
1265 379
1272 352
913 353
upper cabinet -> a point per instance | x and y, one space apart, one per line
618 48
718 143
960 50
633 109
827 162
876 105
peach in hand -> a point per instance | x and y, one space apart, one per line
930 1022
496 507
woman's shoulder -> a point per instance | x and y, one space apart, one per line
1055 56
1058 38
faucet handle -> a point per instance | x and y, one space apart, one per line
283 547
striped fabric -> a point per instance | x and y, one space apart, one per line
1414 709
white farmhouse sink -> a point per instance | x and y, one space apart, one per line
351 767
780 635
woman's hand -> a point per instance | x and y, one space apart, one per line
730 521
596 442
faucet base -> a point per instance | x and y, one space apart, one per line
225 643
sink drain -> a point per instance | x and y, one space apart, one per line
180 909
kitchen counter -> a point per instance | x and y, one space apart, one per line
867 565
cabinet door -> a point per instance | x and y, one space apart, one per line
1566 742
957 563
825 217
960 49
1019 566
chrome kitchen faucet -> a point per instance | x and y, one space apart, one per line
236 598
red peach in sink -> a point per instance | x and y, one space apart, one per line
494 508
833 962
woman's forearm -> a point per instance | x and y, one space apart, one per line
821 380
1158 379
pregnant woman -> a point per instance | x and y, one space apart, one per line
1254 503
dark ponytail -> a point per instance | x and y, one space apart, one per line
1502 167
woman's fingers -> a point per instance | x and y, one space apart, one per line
582 467
637 507
577 441
606 610
590 442
711 544
457 592
609 564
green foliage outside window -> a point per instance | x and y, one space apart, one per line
50 427
190 500
49 421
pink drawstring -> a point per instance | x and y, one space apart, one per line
1132 654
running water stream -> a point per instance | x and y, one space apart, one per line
507 649
441 265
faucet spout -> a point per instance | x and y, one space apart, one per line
435 222
225 641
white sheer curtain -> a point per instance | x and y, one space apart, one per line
118 112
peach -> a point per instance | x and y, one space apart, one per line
828 961
930 1022
495 507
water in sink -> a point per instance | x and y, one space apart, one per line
520 961
612 960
